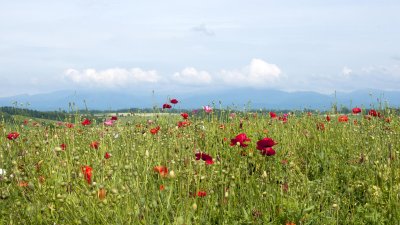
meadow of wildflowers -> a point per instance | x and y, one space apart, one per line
203 167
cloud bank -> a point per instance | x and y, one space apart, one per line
258 73
111 78
192 76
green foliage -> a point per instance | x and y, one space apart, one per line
345 173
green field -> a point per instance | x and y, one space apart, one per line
145 170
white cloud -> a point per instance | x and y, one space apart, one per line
192 76
110 78
346 71
258 74
202 28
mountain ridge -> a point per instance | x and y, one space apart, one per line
233 98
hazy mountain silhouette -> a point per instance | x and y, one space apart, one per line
233 98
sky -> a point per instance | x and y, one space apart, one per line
178 46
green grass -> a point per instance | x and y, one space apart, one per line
344 174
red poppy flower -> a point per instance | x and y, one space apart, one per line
184 115
114 118
95 144
183 124
201 194
155 130
374 113
205 157
162 187
387 120
162 170
240 138
283 119
166 106
86 122
268 152
356 110
343 118
320 126
265 146
69 125
174 101
87 172
272 115
63 146
107 155
12 135
328 118
265 143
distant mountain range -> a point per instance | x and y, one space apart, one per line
234 98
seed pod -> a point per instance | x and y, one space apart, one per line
101 193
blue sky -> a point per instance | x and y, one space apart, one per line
189 46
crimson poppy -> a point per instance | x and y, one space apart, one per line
162 170
12 135
267 151
184 115
95 144
183 124
87 172
86 122
356 110
107 155
166 106
283 118
265 143
272 115
265 146
240 138
155 130
174 101
205 157
69 125
63 146
114 118
201 194
374 113
343 118
328 118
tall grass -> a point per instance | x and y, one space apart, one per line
344 173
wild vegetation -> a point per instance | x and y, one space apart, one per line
202 167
